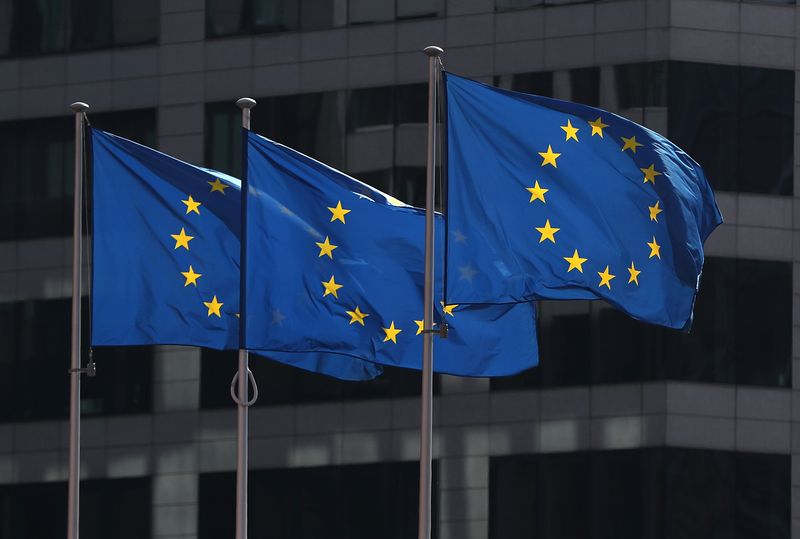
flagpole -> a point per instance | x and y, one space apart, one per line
426 419
243 375
73 496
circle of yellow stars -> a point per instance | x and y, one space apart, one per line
338 213
547 232
183 239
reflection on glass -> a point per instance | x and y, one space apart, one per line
119 508
734 338
369 11
409 9
38 334
736 122
362 501
48 26
664 493
274 16
281 384
36 180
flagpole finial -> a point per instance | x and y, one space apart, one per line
433 50
246 103
79 106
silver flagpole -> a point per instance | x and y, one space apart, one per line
426 420
243 376
73 498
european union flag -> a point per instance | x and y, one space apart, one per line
166 256
346 274
549 199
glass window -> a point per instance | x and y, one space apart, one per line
321 14
539 83
640 85
226 17
309 123
274 16
408 9
762 502
736 122
369 11
37 334
585 85
282 384
48 26
386 139
36 180
134 23
358 502
663 493
506 5
89 24
109 508
734 339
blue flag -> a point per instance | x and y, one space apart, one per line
166 256
549 199
347 274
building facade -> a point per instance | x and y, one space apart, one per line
623 431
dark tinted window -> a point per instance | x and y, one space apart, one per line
736 122
224 17
37 178
376 135
119 508
309 123
640 494
38 333
48 26
357 502
641 85
281 384
539 83
734 339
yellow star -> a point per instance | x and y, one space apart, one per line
549 157
572 132
192 205
598 126
213 306
448 309
326 248
420 326
331 287
537 192
338 212
217 185
547 232
655 249
575 262
634 274
654 211
630 144
182 240
650 174
357 316
605 278
191 277
391 333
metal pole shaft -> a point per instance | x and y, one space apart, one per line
73 496
426 419
242 417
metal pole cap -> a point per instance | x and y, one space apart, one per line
246 103
79 106
433 50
